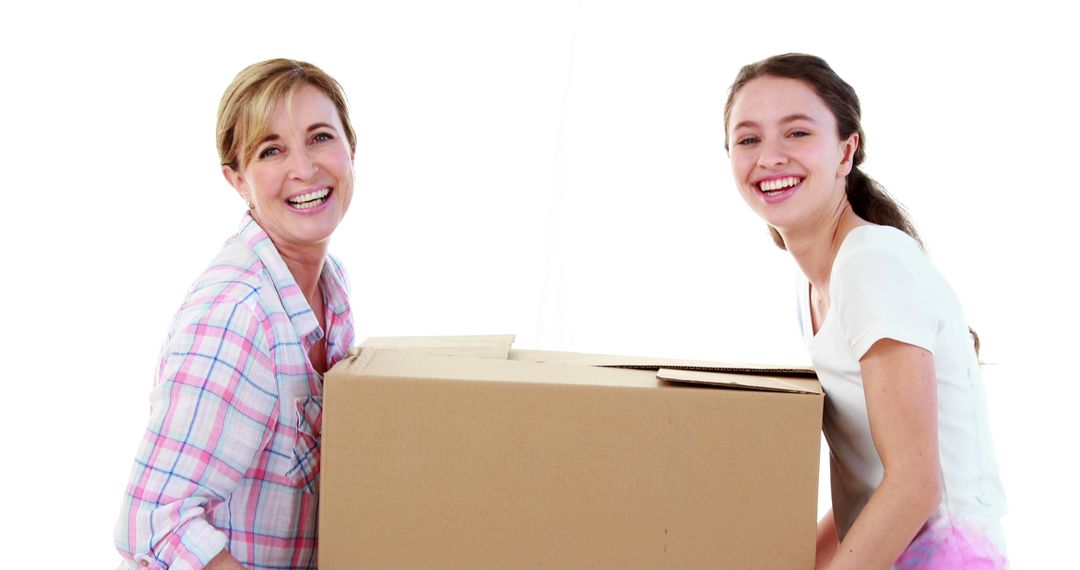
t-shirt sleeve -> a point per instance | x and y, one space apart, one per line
878 294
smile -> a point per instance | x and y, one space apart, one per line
779 184
310 199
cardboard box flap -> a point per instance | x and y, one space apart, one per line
647 363
418 365
475 346
741 381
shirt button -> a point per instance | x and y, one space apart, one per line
144 563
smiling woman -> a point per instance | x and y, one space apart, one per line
913 473
226 474
297 177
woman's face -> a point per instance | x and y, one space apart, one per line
787 159
300 178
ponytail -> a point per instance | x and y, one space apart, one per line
871 202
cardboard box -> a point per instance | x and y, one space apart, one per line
532 459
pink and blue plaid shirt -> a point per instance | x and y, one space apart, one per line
230 458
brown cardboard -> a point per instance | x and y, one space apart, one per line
438 461
741 381
647 363
478 346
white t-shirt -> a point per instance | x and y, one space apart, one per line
883 286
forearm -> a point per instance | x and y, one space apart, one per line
888 523
826 541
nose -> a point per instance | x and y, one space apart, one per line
302 164
772 153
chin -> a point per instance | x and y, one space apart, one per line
303 234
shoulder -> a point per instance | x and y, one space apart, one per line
878 240
227 297
235 277
871 253
883 286
878 271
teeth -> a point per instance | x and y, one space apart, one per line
308 205
316 195
780 183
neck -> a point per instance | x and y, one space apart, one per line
306 264
815 246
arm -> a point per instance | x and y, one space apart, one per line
212 412
901 400
826 540
224 561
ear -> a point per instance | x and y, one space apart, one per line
848 148
237 182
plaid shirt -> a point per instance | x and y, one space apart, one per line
231 455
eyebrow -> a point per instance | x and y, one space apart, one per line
267 138
788 119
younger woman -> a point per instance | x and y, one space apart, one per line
914 479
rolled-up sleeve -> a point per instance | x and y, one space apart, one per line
213 410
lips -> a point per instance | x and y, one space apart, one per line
311 199
779 188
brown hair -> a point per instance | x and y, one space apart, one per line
245 109
868 199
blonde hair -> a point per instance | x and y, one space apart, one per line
244 113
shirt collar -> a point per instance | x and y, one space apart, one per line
292 298
335 288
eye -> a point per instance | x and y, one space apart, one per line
322 137
747 140
269 152
799 133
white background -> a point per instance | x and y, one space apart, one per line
550 168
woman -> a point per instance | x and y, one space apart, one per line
227 473
914 477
